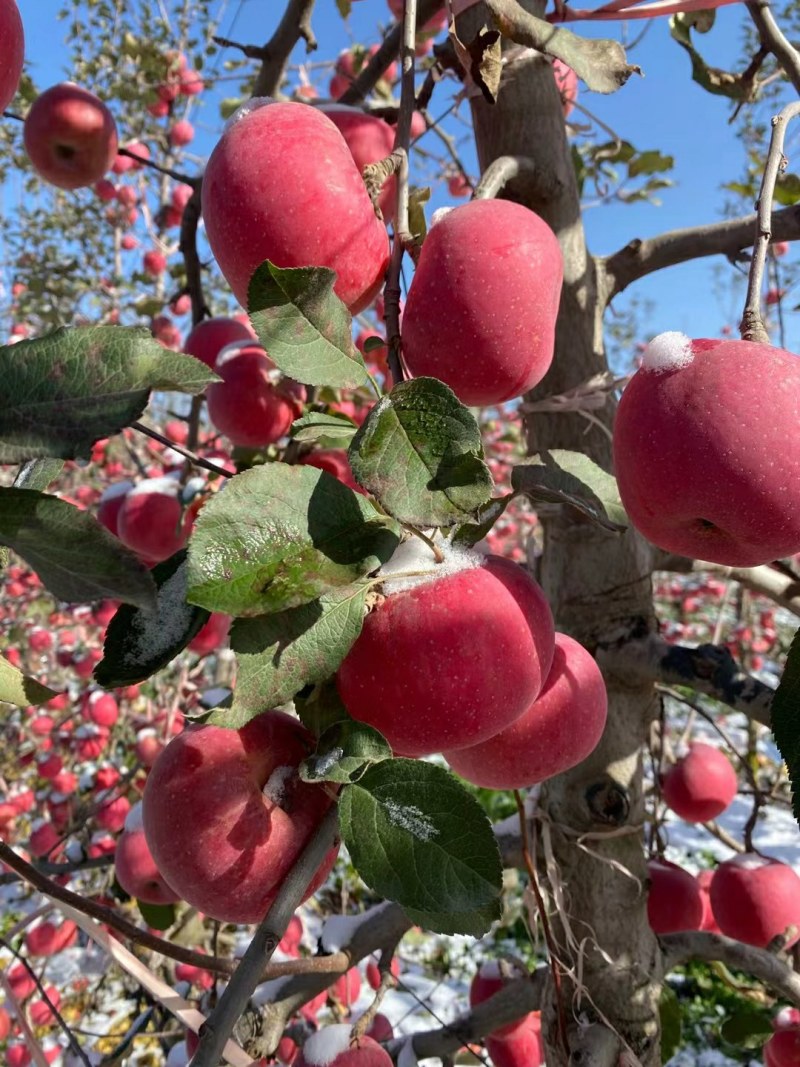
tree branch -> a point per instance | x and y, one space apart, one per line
231 1005
507 169
699 945
294 26
768 581
772 38
709 669
643 256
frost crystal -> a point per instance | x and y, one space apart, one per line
668 351
412 820
414 557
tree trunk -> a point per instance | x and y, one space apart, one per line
599 585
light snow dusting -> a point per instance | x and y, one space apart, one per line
668 351
325 1045
414 559
412 820
275 787
153 634
339 930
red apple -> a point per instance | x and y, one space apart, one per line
322 217
783 1049
331 1047
152 521
181 134
154 263
290 942
48 939
347 987
380 1029
720 410
756 899
226 814
110 503
136 870
674 901
12 40
522 1048
447 662
335 462
558 731
481 309
210 336
488 980
369 140
374 973
252 405
70 136
701 785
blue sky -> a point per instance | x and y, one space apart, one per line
663 110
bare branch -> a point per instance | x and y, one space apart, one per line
643 256
752 326
196 460
233 1002
293 27
768 581
773 39
699 945
709 669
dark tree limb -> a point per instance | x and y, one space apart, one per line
700 945
293 27
644 256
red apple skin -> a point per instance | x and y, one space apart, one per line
18 1056
481 309
488 980
567 83
322 217
335 462
137 872
151 521
674 901
209 337
70 136
245 405
347 987
367 1053
559 730
724 418
701 785
216 838
380 1029
48 938
783 1049
523 1048
369 139
290 942
374 974
709 923
485 635
755 899
5 1024
211 636
12 48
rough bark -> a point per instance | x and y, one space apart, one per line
600 589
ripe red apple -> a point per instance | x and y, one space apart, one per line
112 814
226 814
187 972
489 979
18 1056
322 217
380 1029
374 973
674 901
335 462
287 1051
44 838
100 708
5 1024
290 942
12 45
70 136
154 263
347 987
369 140
756 899
210 336
783 1048
522 1048
252 405
701 785
20 980
446 662
137 872
48 939
481 309
212 636
40 1012
110 503
181 134
704 879
557 731
152 521
330 1047
720 410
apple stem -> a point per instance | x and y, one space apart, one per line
752 327
233 1002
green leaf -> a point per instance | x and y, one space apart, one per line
419 452
330 429
321 708
38 474
470 533
787 189
669 1010
280 536
563 477
651 162
62 392
417 837
785 720
418 197
139 641
17 688
746 1029
344 752
712 79
304 326
280 654
75 557
157 916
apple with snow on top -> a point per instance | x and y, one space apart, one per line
450 656
226 814
756 899
701 785
705 459
332 1046
209 337
522 1048
322 217
559 729
252 405
481 309
152 521
49 938
674 901
489 979
374 974
70 136
13 37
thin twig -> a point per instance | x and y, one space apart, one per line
752 326
772 37
293 27
193 458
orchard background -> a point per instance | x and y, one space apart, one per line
470 924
